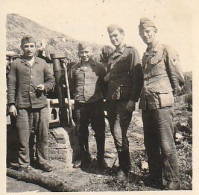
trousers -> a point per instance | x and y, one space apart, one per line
119 120
159 143
32 127
86 113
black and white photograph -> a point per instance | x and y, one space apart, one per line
96 96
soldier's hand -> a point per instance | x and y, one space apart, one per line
40 87
13 110
107 78
130 106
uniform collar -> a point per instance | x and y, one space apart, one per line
26 62
121 50
91 62
155 48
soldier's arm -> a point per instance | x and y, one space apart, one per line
174 71
71 80
136 75
49 79
102 82
12 81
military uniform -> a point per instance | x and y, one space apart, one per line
162 79
31 104
87 87
125 84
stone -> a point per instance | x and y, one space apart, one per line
144 165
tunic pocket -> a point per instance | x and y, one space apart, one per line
166 99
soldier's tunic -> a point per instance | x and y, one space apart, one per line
32 112
125 84
162 77
87 87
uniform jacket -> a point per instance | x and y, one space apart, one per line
162 77
87 82
23 80
126 75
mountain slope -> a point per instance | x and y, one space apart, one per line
18 26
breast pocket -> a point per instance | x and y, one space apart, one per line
157 57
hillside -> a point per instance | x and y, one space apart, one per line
18 26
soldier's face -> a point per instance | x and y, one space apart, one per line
148 34
29 49
85 54
116 37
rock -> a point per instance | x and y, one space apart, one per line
184 126
178 138
186 129
110 155
180 125
63 145
138 135
144 165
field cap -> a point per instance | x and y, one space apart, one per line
11 53
83 46
146 22
112 27
27 39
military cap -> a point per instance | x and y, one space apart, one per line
146 22
27 39
113 27
11 53
83 46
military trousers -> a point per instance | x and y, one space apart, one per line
32 127
159 144
119 119
85 114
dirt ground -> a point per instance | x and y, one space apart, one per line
14 185
66 178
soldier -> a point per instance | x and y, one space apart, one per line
124 79
10 57
87 87
29 80
162 80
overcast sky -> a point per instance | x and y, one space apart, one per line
87 20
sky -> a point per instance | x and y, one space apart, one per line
86 20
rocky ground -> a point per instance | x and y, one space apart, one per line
65 178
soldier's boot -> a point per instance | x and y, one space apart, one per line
101 163
127 163
120 172
83 156
86 157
